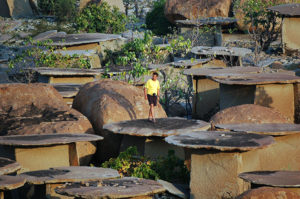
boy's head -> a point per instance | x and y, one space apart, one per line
155 76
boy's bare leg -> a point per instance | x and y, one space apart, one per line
152 112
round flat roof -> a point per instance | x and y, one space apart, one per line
162 128
8 166
218 71
267 129
257 79
47 139
127 187
220 50
221 140
11 182
79 39
273 178
207 21
69 174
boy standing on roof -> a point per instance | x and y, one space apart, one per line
151 92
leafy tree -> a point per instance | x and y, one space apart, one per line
263 24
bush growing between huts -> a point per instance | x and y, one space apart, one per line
156 20
101 18
64 10
130 163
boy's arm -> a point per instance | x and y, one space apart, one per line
158 88
145 93
145 90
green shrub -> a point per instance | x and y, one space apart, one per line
156 20
134 56
64 10
47 6
138 49
130 163
101 18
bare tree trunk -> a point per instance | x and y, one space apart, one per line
136 6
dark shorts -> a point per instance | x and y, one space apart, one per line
152 100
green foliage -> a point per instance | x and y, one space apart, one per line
42 54
262 22
64 10
171 168
174 88
136 54
47 6
129 163
134 57
156 20
101 18
180 46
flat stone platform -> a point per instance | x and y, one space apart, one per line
162 128
69 174
44 71
11 182
8 166
221 140
127 187
79 39
257 79
46 139
218 71
267 129
288 179
207 21
219 50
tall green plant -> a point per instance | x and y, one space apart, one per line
101 18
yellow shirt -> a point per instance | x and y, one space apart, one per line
152 86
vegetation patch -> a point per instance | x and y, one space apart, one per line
101 18
130 163
156 20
